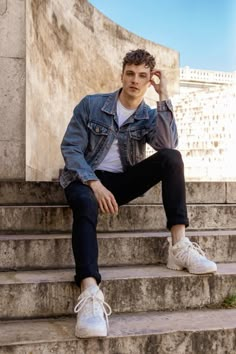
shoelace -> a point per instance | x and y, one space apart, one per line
193 246
105 307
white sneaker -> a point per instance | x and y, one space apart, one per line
92 314
188 255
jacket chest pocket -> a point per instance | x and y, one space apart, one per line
137 145
97 135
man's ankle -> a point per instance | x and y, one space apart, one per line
177 233
87 282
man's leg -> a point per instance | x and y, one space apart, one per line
166 166
84 239
91 321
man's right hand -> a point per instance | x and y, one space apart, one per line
106 200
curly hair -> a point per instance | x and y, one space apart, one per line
137 57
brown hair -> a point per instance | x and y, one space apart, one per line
137 57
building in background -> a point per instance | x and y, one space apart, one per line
205 110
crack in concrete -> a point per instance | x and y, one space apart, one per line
3 7
4 57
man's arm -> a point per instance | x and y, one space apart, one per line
161 86
75 142
163 133
73 146
106 200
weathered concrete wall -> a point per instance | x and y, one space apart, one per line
207 133
12 89
72 50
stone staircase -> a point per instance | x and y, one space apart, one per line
155 310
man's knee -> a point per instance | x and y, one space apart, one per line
172 157
81 197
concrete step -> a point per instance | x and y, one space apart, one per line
127 289
53 251
187 332
46 219
13 193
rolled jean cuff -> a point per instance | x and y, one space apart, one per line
177 221
87 274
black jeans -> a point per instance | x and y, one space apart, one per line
165 165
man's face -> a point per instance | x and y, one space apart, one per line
136 80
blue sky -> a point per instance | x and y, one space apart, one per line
202 31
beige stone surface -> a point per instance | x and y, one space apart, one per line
55 251
12 89
15 193
126 289
183 332
12 99
207 132
12 28
231 192
72 50
12 159
130 218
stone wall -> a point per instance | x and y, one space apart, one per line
206 120
207 133
12 89
72 50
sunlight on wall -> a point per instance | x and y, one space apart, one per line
206 119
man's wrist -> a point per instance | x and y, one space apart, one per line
163 96
90 182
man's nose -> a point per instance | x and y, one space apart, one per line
135 79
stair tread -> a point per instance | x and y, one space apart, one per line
108 273
126 234
130 205
121 325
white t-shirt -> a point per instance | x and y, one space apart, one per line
112 162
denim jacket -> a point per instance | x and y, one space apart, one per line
94 126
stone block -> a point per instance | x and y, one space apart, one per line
12 160
205 192
45 219
27 252
194 332
55 251
31 193
53 29
51 193
126 289
231 192
12 100
12 28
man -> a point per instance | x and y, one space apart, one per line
105 167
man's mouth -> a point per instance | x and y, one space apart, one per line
133 88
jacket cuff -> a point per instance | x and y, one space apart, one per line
164 105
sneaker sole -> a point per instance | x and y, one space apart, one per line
205 272
93 334
192 271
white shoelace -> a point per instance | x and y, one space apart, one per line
186 256
105 307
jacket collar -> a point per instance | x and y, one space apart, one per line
110 106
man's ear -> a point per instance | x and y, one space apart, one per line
121 77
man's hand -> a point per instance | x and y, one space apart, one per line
105 198
160 86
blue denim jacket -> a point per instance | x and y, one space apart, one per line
94 126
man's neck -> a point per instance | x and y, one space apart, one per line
129 102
